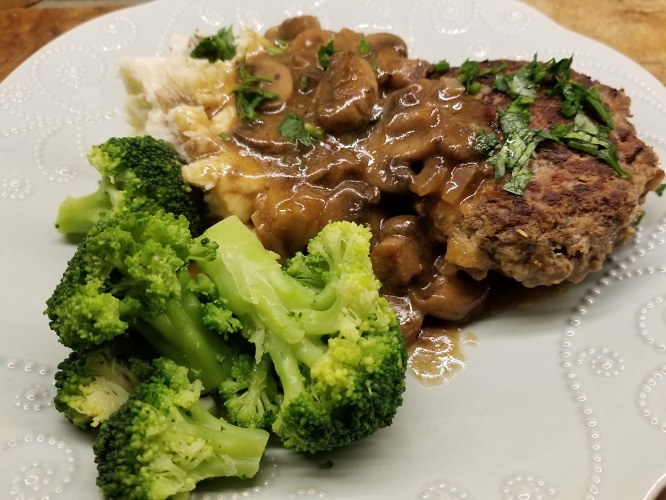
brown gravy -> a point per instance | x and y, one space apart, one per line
390 134
437 354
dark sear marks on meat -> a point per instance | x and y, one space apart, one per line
357 130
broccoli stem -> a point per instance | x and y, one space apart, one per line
286 366
241 448
253 281
179 334
78 215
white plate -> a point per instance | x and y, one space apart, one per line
565 400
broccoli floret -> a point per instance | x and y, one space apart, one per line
250 394
162 441
91 385
137 172
335 343
132 274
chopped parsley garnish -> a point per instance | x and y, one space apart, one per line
560 70
514 156
325 53
517 116
249 96
376 115
577 98
520 142
486 143
519 146
469 71
522 83
218 47
660 189
584 135
303 83
364 47
441 66
294 128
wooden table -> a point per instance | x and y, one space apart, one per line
636 28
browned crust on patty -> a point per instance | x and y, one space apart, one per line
574 212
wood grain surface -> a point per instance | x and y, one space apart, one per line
637 28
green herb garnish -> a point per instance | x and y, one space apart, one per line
249 96
485 143
364 47
469 71
522 83
294 128
521 141
218 47
441 66
325 53
584 135
577 98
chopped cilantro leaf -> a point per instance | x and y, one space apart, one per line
325 53
485 143
576 98
592 139
441 66
364 47
249 96
609 155
660 189
514 156
293 128
218 47
522 83
469 71
560 70
516 116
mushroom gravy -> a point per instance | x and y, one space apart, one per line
306 125
390 133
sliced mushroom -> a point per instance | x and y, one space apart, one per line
345 97
450 297
292 27
264 139
279 80
386 41
394 69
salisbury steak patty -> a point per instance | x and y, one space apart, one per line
574 211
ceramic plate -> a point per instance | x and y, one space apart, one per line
565 399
